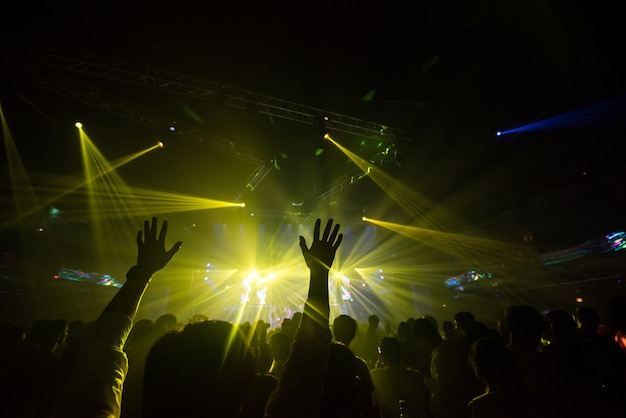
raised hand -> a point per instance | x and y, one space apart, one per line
322 252
151 253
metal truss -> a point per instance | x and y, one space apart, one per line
381 159
114 69
71 60
62 86
253 180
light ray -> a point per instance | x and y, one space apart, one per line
415 205
474 250
606 112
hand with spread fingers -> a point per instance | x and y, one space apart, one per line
97 381
301 385
151 253
321 254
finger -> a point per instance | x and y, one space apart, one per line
339 239
316 231
329 224
163 231
303 246
333 236
146 230
139 238
153 231
174 249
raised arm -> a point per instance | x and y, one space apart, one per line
151 257
94 386
302 383
319 258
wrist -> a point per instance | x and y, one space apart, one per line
319 269
318 310
318 284
138 273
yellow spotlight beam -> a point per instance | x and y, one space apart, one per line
143 201
70 185
23 193
408 199
477 250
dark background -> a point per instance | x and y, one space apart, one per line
449 73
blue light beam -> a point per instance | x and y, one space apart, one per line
605 112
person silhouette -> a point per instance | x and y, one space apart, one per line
302 383
94 383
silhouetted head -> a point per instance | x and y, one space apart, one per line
391 351
260 328
463 319
169 320
495 365
562 325
286 323
296 318
587 319
433 321
344 329
410 321
404 330
525 325
426 336
47 333
279 346
76 330
205 369
373 321
448 326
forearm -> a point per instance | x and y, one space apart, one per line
302 383
317 306
126 300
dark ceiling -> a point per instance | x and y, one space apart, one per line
449 73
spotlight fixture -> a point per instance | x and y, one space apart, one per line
161 144
79 125
297 200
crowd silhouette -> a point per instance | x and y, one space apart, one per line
533 364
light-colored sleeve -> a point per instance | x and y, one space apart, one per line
301 385
94 386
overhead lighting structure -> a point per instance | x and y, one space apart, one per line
67 59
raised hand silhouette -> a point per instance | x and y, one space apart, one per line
322 252
151 253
